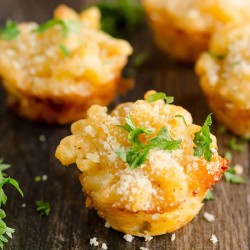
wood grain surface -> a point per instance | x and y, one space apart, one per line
70 225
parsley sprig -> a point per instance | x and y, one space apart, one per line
160 96
121 18
66 25
43 208
230 175
10 31
4 229
209 195
137 154
202 140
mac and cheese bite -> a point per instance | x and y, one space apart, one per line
55 71
183 29
224 74
140 168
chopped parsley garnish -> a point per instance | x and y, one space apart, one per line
137 154
209 195
43 208
234 146
64 50
139 59
183 119
4 229
222 130
37 178
66 25
231 176
160 96
217 56
202 140
121 18
10 31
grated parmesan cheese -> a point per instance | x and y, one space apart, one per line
128 237
107 225
94 242
148 238
238 169
214 239
104 246
173 237
209 217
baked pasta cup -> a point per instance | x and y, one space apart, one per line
183 29
225 77
54 72
146 181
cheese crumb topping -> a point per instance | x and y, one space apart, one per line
128 237
209 217
214 239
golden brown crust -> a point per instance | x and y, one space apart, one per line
183 29
230 114
45 83
162 194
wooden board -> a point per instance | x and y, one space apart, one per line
70 225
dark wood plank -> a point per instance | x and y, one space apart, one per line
70 225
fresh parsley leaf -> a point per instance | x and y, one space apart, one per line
4 229
183 119
228 155
139 59
137 154
231 176
202 140
209 195
234 146
66 25
121 18
160 96
217 56
64 50
43 208
222 130
37 178
10 31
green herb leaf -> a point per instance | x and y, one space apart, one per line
139 59
202 140
43 208
121 18
183 119
37 178
209 195
137 154
10 31
160 96
234 146
230 176
66 25
222 130
217 56
64 50
228 155
4 229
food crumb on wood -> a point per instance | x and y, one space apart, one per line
94 242
104 246
143 248
107 225
128 237
44 177
214 239
148 238
23 205
173 237
42 138
238 169
209 217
